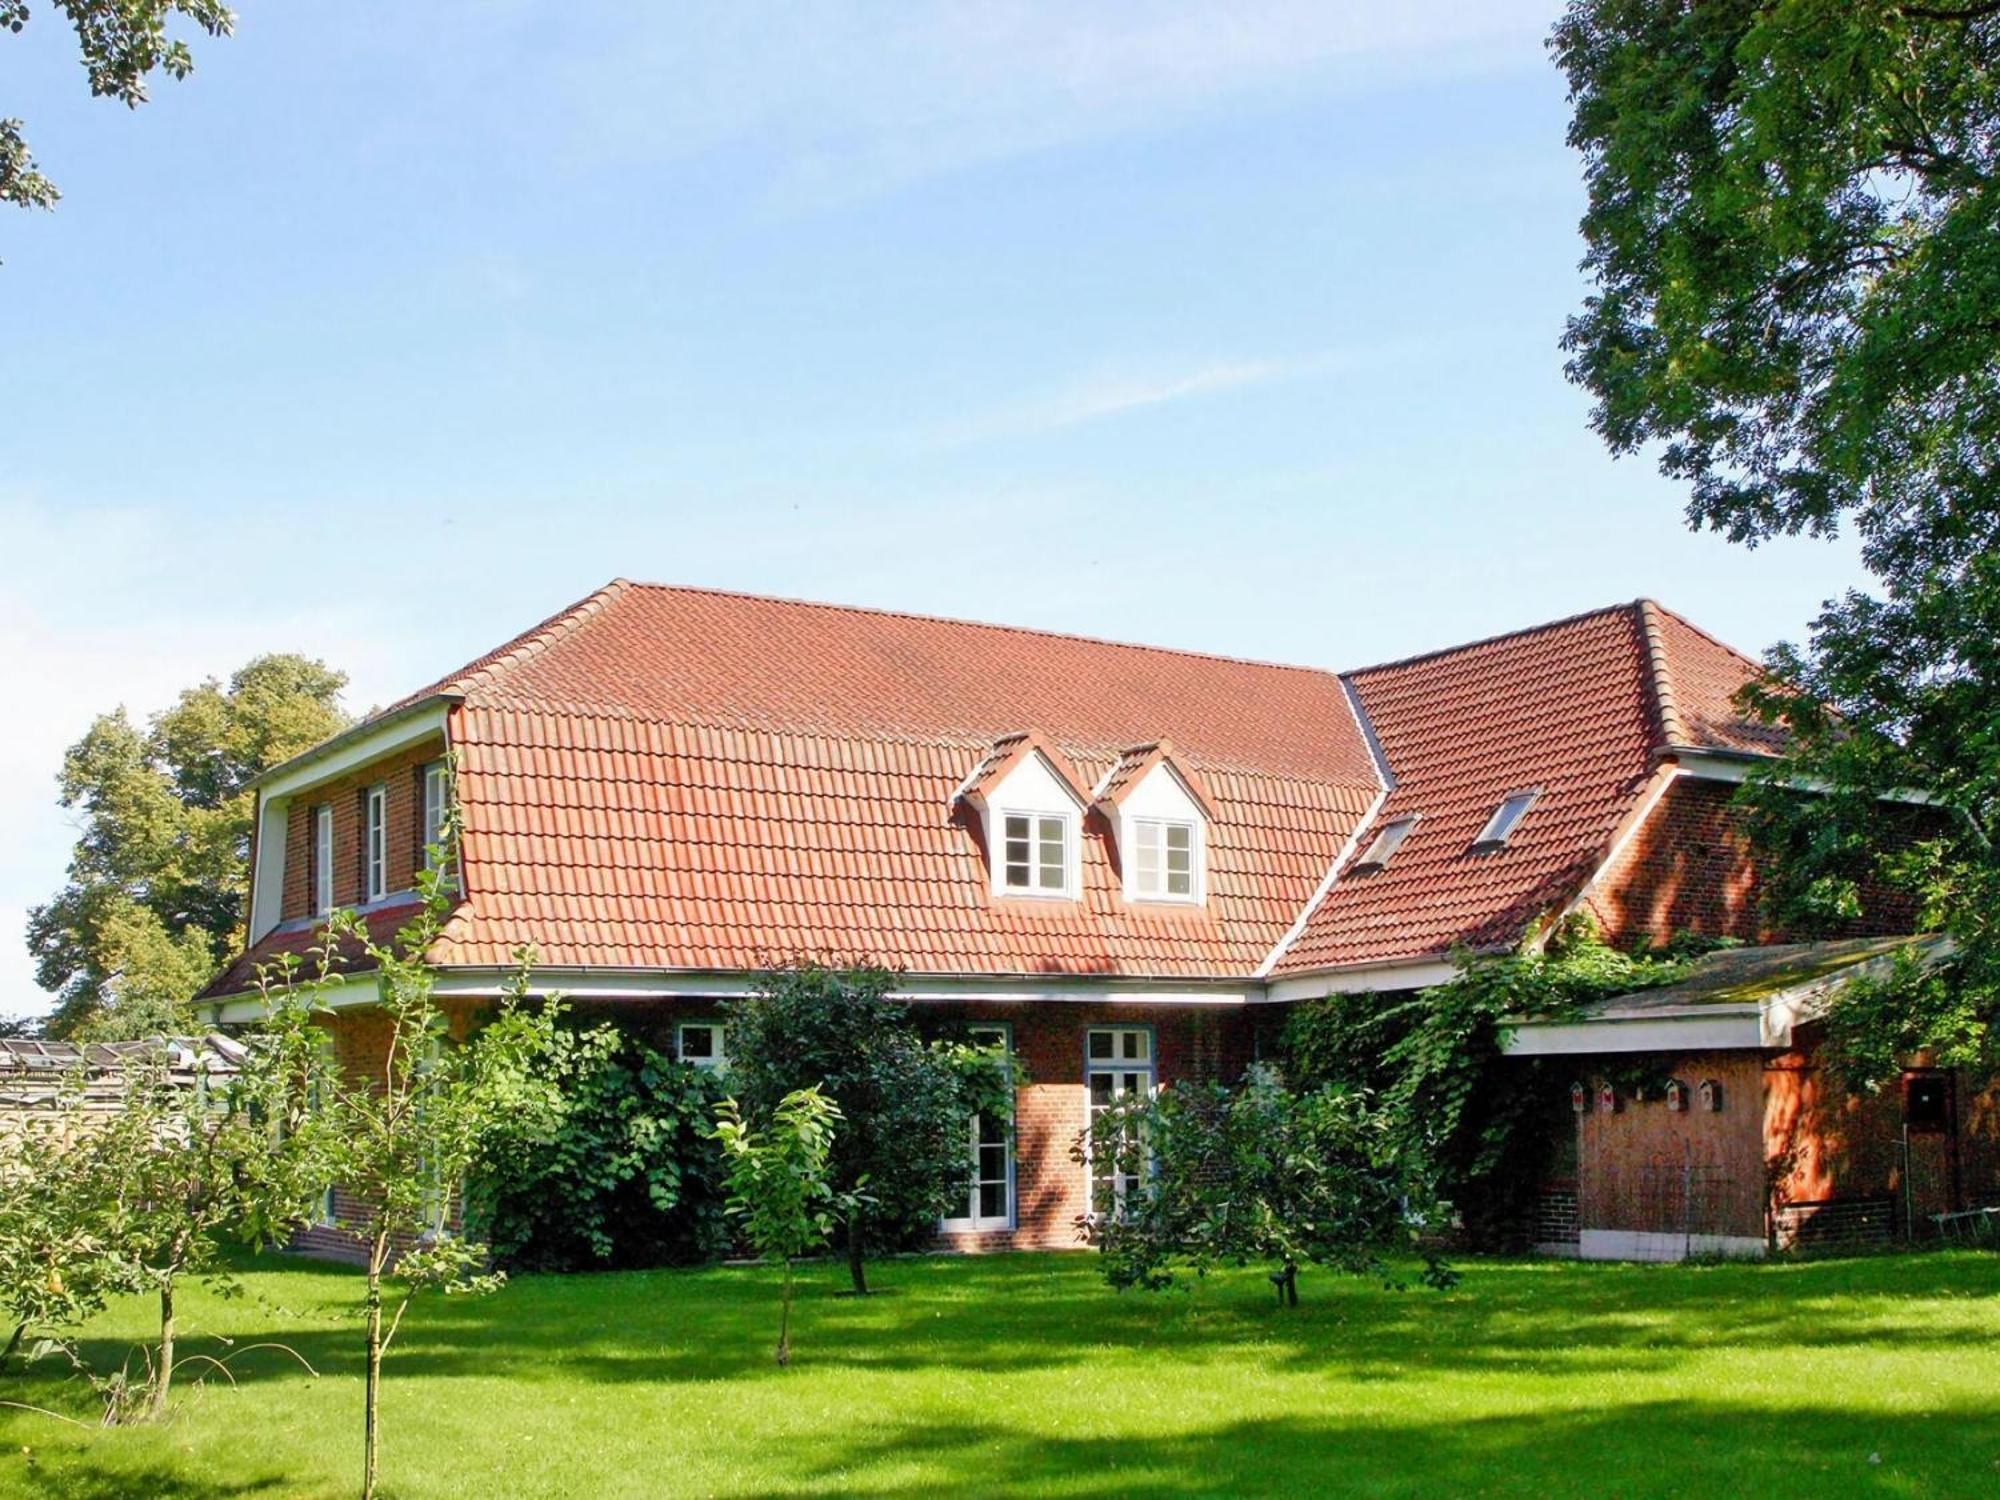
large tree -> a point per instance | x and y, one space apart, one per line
155 892
123 42
1794 231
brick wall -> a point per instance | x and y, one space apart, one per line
1690 868
1051 1196
1839 1224
1558 1224
399 775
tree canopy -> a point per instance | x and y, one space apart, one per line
156 880
123 42
1794 234
905 1102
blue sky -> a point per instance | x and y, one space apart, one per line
396 327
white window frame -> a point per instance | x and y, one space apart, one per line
1120 1068
322 858
1141 829
718 1060
1500 827
375 843
1034 889
972 1220
437 808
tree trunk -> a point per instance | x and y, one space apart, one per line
372 1399
785 1319
163 1377
20 1332
856 1272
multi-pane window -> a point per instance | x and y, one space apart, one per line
1035 853
1162 860
700 1043
989 1201
375 843
322 857
1118 1065
437 805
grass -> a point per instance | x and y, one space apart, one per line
1024 1375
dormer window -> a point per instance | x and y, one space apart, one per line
1162 860
1388 839
1031 810
1159 817
1036 856
1506 817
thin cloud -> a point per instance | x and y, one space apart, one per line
1108 392
836 100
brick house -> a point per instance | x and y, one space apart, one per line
1119 858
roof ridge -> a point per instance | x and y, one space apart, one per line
1488 640
530 643
1672 727
931 619
1709 636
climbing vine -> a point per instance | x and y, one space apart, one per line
1489 1126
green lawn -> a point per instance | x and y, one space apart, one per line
1023 1374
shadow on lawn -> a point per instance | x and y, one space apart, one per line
81 1482
1021 1313
1661 1448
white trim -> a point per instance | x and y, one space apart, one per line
627 984
386 739
1192 896
718 1060
375 843
1647 1244
1417 974
323 863
267 877
976 1222
1071 850
1708 765
1734 1028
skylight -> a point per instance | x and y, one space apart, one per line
1505 817
1388 839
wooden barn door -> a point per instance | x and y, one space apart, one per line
1930 1148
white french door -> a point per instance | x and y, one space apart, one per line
1118 1065
989 1200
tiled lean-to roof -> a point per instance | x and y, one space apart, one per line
672 778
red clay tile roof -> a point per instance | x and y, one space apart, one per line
1567 708
1137 763
300 938
1008 752
1697 678
668 778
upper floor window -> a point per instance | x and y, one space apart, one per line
322 860
1500 827
1162 860
375 843
1388 839
1035 853
700 1044
437 808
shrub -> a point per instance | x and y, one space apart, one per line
616 1168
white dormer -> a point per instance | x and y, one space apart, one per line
1160 817
1032 814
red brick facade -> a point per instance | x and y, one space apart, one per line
1050 1190
1690 868
401 778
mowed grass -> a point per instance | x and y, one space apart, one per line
1025 1375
